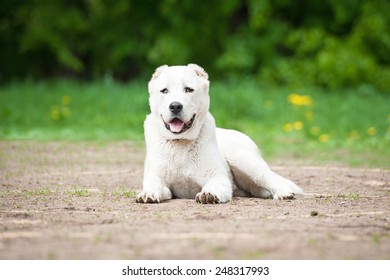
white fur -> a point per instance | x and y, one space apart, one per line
203 162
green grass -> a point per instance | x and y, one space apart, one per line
125 193
351 126
72 111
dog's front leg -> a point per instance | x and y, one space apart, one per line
154 190
216 190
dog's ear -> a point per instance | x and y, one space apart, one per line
158 71
199 70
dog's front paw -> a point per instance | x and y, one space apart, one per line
206 198
147 197
284 196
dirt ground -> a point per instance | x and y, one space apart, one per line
77 201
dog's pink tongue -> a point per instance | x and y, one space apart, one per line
176 125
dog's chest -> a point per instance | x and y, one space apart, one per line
181 169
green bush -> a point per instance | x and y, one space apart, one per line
330 43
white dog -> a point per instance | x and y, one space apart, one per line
188 157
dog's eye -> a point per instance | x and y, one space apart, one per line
188 89
165 91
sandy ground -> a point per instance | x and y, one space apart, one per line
77 201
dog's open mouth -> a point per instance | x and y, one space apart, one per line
177 126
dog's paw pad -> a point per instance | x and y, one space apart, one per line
145 198
206 198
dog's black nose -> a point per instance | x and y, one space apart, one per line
176 107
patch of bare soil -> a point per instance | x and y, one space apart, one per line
77 201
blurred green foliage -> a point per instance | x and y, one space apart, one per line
328 43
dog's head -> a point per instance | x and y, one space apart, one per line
179 99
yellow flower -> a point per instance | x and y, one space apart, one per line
288 127
66 100
371 131
300 100
315 130
324 138
298 125
55 113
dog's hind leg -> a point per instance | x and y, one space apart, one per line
251 173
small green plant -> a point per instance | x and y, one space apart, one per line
354 196
82 192
253 255
97 239
376 238
217 251
313 241
130 194
127 194
7 193
51 256
42 192
26 194
78 192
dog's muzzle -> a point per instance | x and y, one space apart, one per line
177 126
